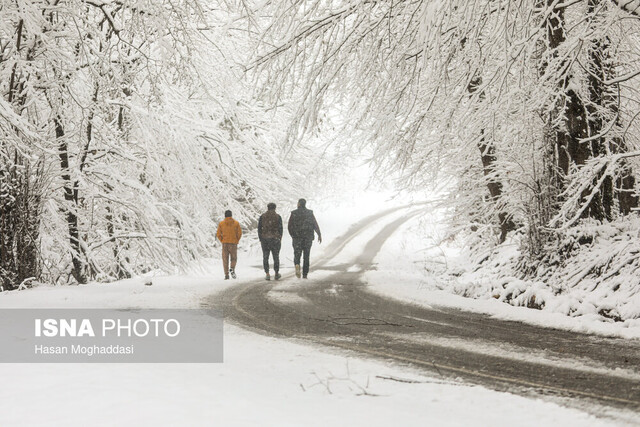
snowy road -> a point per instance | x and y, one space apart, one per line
337 310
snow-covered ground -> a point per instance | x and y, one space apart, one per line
263 380
271 381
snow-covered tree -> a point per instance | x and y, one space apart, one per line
127 131
528 108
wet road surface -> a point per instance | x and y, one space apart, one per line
504 355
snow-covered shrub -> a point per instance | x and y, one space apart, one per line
593 270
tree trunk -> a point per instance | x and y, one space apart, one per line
581 120
602 112
488 158
70 197
20 192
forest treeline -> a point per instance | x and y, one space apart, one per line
127 126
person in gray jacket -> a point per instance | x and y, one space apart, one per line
270 235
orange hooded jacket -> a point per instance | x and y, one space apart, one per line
229 231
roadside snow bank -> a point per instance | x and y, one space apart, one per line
593 272
593 284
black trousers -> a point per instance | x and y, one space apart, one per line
302 246
270 246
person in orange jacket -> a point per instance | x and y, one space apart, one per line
229 233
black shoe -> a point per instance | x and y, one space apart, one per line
232 272
304 276
226 277
278 276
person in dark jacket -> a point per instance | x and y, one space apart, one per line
270 235
302 225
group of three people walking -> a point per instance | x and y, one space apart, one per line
302 227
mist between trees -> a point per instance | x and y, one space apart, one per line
128 127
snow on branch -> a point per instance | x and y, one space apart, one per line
631 6
313 27
107 14
589 177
